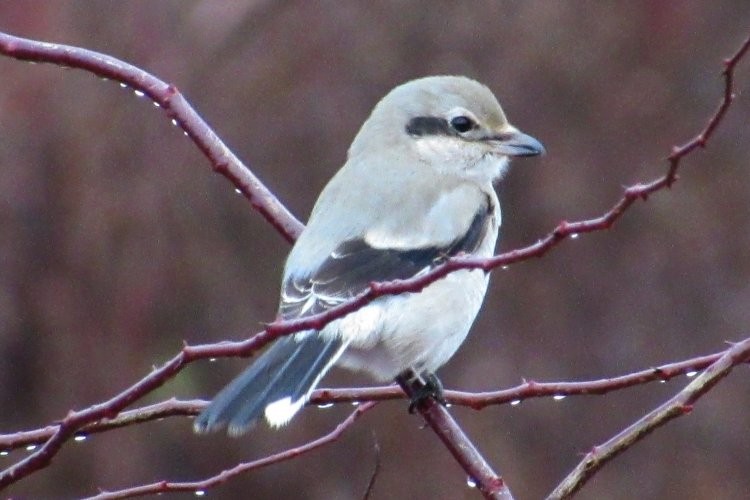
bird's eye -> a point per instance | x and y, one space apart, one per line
462 124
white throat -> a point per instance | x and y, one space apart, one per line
455 157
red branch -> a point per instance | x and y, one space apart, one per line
169 408
474 400
480 473
213 481
223 161
681 404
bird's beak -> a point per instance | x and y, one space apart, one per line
513 142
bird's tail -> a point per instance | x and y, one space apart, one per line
277 384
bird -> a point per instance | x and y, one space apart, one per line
417 188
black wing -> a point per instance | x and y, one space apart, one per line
354 264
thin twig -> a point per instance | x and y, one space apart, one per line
222 159
681 404
216 480
169 408
375 470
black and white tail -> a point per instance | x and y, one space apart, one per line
276 385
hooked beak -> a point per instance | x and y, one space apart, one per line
512 142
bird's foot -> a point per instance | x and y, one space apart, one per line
424 386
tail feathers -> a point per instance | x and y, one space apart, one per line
276 385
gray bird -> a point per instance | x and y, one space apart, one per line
416 189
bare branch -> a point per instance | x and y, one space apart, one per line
223 476
480 473
76 420
681 404
531 389
169 408
475 400
375 470
223 160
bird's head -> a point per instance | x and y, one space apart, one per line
451 123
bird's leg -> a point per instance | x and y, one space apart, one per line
421 387
435 387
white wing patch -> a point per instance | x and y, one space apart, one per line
299 297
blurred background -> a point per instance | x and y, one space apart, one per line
117 242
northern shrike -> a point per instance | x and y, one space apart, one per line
416 189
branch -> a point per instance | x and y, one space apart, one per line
375 471
170 408
679 405
167 97
531 389
76 420
320 397
199 487
480 473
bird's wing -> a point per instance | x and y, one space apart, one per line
354 264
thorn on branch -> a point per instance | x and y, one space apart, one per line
672 175
661 374
636 191
562 230
590 455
